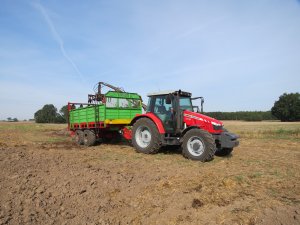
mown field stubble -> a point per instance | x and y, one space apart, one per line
46 179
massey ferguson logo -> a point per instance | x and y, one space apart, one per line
195 117
201 119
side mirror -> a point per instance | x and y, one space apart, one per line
168 99
202 102
196 109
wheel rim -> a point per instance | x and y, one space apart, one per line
195 146
143 136
85 139
77 139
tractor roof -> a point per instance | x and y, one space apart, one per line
183 93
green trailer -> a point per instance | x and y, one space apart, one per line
89 122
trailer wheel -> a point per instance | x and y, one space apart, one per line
79 137
145 136
224 151
89 138
198 145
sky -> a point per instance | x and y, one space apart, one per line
238 54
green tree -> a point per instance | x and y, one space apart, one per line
60 119
287 108
48 114
64 112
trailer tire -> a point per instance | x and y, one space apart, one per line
224 152
145 136
89 138
198 145
79 137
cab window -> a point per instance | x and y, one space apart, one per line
185 103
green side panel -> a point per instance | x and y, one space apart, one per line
101 111
91 113
112 113
121 105
133 112
82 115
118 106
115 113
125 113
87 114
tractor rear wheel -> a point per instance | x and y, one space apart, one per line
89 138
79 137
198 145
145 136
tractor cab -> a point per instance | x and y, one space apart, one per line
177 113
168 107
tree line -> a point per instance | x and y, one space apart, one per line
285 109
49 114
10 119
242 115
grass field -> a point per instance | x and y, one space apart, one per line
46 179
275 130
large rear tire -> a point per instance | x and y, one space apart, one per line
79 137
198 145
145 136
89 138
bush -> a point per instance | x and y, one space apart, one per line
287 108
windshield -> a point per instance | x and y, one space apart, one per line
185 103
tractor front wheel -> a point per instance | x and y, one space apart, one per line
89 138
145 136
198 145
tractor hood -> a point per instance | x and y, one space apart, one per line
198 119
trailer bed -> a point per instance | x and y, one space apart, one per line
117 109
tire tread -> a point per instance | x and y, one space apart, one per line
208 155
156 144
91 137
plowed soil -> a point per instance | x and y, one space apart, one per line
46 179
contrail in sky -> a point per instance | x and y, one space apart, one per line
57 37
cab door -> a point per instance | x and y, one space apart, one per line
164 112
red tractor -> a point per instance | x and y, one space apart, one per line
170 120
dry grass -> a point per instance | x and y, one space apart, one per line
265 129
26 132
